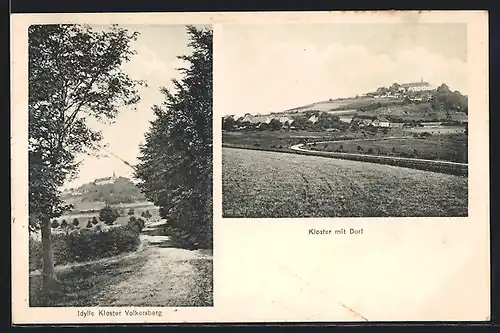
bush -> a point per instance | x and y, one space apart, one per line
94 220
147 214
76 223
88 244
370 150
85 244
54 224
143 214
108 215
89 224
131 211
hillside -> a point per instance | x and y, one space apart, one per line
122 190
393 103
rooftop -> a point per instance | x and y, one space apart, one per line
415 84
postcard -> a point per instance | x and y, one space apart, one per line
250 167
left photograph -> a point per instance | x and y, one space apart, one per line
120 165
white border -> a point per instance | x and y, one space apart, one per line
403 269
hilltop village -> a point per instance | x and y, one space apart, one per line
415 104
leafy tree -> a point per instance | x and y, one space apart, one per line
228 123
94 220
142 214
131 211
89 224
76 223
147 214
275 124
54 224
64 224
395 87
73 75
108 215
175 166
141 223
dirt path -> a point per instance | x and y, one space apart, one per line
157 274
168 277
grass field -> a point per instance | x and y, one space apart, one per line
347 103
122 219
283 139
439 147
271 185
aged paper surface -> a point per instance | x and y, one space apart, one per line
272 269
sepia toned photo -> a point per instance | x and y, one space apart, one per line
120 166
345 120
263 167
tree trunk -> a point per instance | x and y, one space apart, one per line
49 282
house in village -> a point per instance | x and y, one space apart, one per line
247 118
313 119
383 122
346 119
365 122
285 120
262 119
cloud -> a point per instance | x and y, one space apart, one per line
260 75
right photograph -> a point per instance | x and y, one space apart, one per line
344 120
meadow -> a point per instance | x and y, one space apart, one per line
262 184
281 139
93 209
434 147
346 103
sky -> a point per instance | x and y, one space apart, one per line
156 62
269 68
